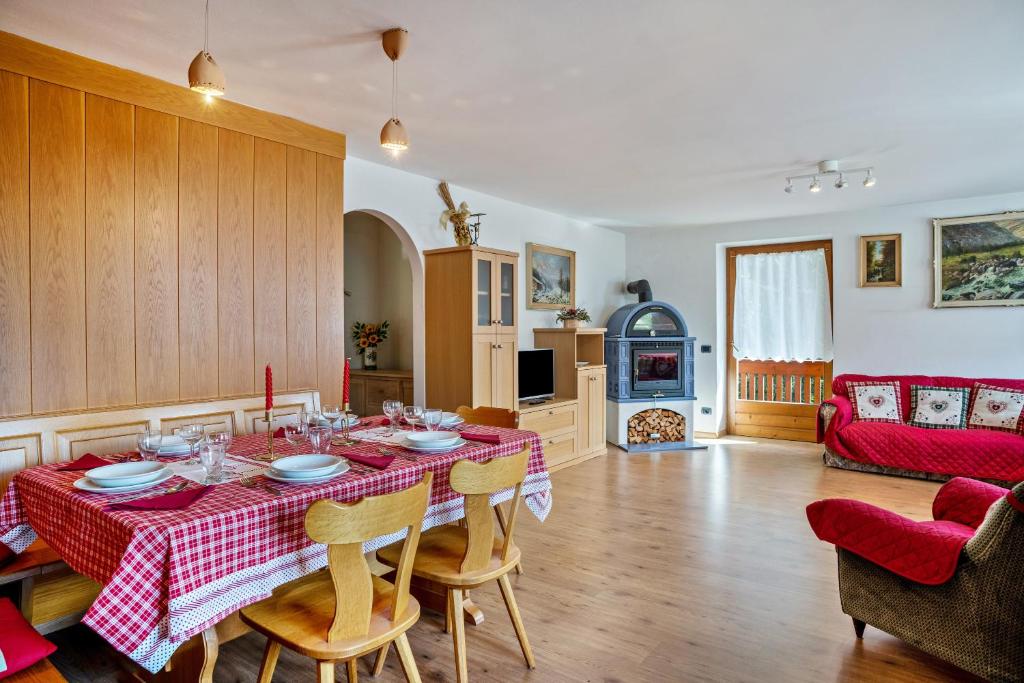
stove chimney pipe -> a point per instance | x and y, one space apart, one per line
642 289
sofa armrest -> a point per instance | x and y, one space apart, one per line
965 501
924 552
834 414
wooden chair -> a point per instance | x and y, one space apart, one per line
493 417
460 558
348 612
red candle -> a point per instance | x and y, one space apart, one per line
270 389
345 383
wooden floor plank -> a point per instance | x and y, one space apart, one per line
696 566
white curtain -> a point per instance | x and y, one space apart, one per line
781 310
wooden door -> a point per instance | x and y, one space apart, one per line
484 295
583 398
595 410
768 399
506 377
483 369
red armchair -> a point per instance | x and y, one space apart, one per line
953 587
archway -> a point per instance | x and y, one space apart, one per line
415 261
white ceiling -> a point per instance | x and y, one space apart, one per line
651 112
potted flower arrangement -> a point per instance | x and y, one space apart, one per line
367 336
573 317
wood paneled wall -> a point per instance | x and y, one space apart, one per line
147 257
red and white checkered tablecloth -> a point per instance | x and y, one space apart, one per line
169 574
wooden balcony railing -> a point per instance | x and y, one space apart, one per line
777 382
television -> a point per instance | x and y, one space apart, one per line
536 375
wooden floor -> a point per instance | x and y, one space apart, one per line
695 566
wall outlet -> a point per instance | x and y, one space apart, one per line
705 410
705 348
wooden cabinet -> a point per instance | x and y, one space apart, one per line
556 422
471 327
370 388
590 383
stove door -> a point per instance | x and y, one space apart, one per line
657 370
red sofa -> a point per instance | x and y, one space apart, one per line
900 449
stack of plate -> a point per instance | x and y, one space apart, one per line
124 477
306 469
173 446
448 420
433 442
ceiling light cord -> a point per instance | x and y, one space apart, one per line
206 29
394 89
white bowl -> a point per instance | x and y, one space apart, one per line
125 474
172 445
305 466
431 439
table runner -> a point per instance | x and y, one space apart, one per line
169 574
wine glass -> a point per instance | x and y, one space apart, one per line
295 433
191 434
393 409
222 439
432 418
149 443
412 414
320 438
332 413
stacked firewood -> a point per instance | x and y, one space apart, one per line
656 424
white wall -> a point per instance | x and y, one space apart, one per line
876 330
412 203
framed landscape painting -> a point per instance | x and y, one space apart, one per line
881 261
551 275
979 260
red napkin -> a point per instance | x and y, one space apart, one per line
481 437
86 462
279 433
170 501
379 462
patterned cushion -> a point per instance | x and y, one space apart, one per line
875 401
938 407
996 408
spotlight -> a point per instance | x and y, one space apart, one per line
815 186
869 179
789 186
841 182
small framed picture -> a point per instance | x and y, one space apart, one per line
881 261
552 277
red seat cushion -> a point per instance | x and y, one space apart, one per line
924 552
979 453
21 645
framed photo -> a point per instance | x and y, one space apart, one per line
881 260
979 260
551 274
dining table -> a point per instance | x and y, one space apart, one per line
170 576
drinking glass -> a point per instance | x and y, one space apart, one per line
300 419
393 409
312 421
191 434
222 439
332 413
320 438
295 434
211 457
432 418
412 414
149 443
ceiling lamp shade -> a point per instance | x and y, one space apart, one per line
205 75
393 137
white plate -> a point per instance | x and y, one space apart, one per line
342 468
125 473
173 445
86 484
431 439
305 466
436 449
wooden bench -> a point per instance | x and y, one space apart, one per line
41 672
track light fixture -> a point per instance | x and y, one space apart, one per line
204 74
830 167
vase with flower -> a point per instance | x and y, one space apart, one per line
573 317
366 337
